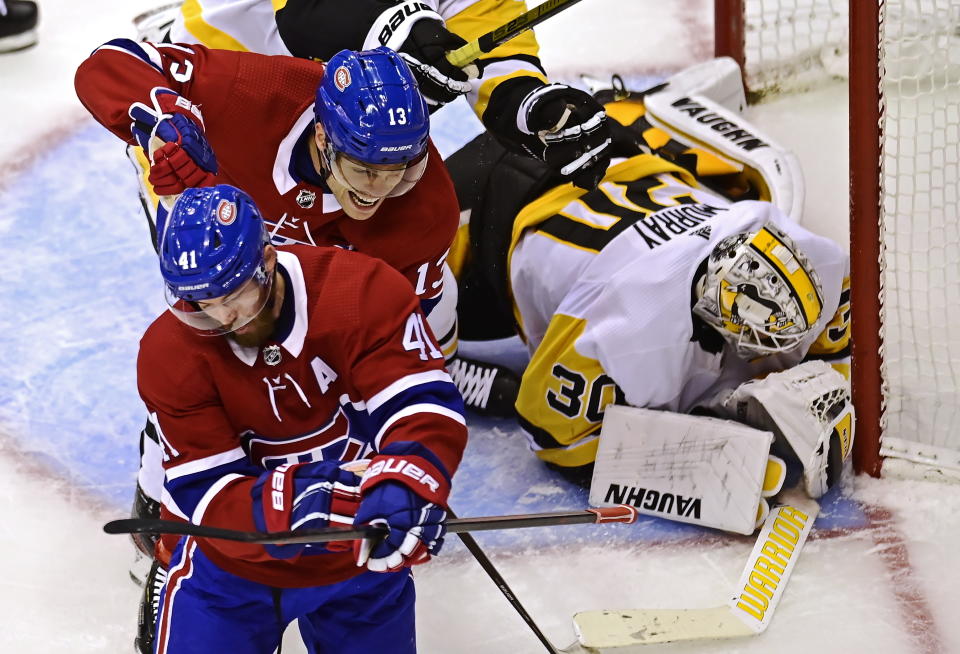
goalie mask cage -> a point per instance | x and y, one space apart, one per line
902 62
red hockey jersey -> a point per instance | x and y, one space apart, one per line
255 110
353 369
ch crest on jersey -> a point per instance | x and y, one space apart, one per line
271 355
332 441
306 198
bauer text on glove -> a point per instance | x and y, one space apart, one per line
406 493
170 131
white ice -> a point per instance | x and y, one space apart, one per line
887 586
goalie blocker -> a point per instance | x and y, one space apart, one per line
719 473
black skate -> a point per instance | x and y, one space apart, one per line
149 606
18 25
487 389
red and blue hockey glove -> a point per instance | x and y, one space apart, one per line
170 131
407 494
305 496
567 129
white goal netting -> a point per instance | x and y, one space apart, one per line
793 45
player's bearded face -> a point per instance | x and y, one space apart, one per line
253 314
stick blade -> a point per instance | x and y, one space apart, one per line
603 628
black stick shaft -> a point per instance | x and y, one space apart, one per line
474 548
486 43
327 534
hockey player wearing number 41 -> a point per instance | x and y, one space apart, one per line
679 284
273 371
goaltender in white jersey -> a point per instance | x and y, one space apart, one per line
652 290
604 297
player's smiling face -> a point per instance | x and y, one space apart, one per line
359 187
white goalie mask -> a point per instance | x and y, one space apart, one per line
760 292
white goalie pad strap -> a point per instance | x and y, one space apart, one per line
804 406
698 470
392 27
697 120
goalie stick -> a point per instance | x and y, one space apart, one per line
626 514
747 613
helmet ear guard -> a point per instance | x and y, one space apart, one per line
760 292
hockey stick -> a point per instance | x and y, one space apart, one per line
625 514
747 613
489 41
474 548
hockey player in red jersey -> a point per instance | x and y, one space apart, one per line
272 370
340 160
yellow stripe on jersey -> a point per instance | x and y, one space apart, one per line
833 343
460 249
626 112
143 170
562 396
487 87
205 33
485 16
781 257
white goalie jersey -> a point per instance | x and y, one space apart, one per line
603 285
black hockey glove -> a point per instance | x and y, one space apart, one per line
566 128
425 51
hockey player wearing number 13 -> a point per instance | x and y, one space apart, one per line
675 285
272 371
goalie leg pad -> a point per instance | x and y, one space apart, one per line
699 121
693 469
808 408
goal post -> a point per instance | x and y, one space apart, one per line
866 209
901 61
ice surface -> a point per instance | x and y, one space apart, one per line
79 285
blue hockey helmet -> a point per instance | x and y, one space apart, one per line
212 259
371 111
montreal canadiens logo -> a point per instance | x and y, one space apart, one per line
341 78
226 212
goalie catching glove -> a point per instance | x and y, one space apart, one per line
170 131
406 492
809 411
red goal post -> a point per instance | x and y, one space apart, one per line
901 61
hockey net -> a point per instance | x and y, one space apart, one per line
901 59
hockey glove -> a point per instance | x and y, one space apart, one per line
170 131
809 411
305 496
407 494
567 129
425 52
